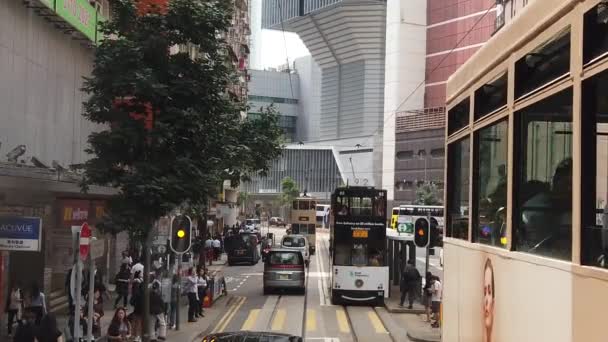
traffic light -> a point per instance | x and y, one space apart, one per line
436 234
421 232
181 234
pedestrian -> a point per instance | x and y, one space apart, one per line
138 267
217 248
37 302
174 305
436 292
427 294
137 301
201 290
157 314
14 305
122 285
120 328
191 290
126 259
409 283
97 312
48 331
26 331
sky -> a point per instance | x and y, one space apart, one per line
273 48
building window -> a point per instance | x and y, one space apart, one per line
491 96
405 155
438 153
543 163
595 32
458 191
594 189
458 116
490 185
271 99
401 186
546 63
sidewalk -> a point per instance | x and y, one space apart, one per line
402 321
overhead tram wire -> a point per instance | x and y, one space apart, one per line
445 57
285 45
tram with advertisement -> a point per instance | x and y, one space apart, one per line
359 271
526 238
303 218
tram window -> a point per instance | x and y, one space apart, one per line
304 205
491 96
594 204
490 184
353 253
295 228
361 206
295 205
543 210
458 191
544 64
595 32
458 116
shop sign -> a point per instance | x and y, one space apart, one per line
80 14
48 3
20 233
74 212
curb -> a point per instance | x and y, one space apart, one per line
405 311
421 339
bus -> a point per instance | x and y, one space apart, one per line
526 216
405 213
323 215
359 272
302 219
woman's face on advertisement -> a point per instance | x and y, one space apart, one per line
488 294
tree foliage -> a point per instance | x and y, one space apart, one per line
196 138
427 194
289 191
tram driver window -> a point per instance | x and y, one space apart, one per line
594 248
543 211
490 185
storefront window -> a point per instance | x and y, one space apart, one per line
490 185
458 192
543 211
594 189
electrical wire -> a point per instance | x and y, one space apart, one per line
285 45
445 57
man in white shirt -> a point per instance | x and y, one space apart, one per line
192 291
436 290
217 245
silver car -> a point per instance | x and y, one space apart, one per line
297 242
284 269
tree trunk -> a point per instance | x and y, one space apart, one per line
146 309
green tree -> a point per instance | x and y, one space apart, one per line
289 191
169 130
427 194
242 200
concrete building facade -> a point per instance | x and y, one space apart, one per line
346 39
455 30
280 89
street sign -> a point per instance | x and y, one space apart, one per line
85 241
20 233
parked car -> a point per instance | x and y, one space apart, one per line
278 221
297 242
284 269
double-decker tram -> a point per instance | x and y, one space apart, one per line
526 239
359 272
303 219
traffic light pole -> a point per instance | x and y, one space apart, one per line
179 289
428 249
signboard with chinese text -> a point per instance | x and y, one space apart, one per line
80 14
20 233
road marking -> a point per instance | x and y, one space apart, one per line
322 300
378 326
342 321
279 320
229 315
311 320
250 322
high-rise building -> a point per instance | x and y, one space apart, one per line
255 39
282 91
237 38
455 30
347 41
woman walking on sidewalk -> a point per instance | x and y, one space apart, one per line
48 332
37 302
14 305
120 328
122 285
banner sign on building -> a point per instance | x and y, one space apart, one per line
48 3
80 14
20 233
